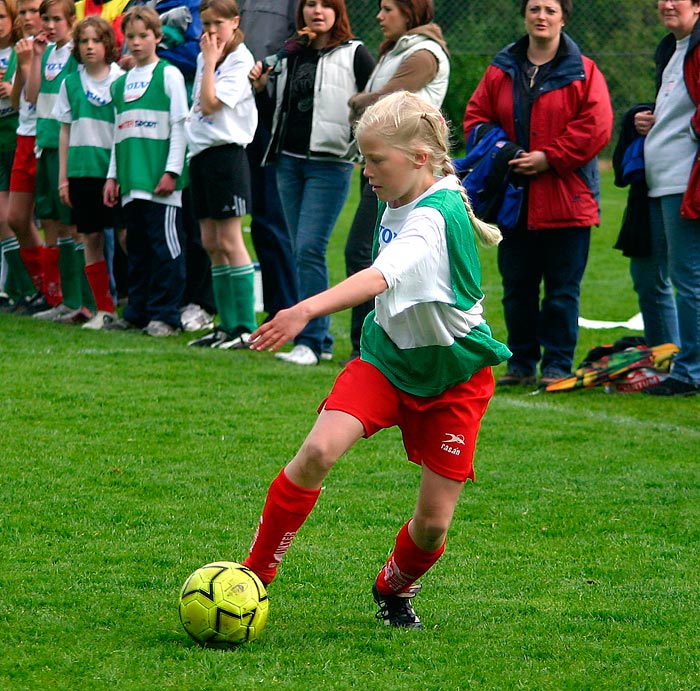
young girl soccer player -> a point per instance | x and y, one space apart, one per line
14 279
20 213
84 108
52 62
221 123
146 165
426 350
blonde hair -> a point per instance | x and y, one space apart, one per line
408 123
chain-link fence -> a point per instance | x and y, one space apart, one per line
620 37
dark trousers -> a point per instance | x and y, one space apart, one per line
268 230
198 287
548 328
156 262
358 254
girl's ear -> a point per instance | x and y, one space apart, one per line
420 158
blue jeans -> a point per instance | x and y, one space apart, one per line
313 194
549 330
652 284
676 253
268 229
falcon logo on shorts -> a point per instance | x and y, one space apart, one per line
452 439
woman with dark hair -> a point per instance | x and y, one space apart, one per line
554 103
310 143
413 57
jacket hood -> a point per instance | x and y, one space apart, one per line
431 31
568 68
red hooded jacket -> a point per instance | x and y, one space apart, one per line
570 121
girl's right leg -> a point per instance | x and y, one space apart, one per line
241 279
20 219
293 493
97 271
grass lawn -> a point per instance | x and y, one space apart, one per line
127 462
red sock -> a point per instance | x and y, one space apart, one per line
31 256
286 508
52 276
98 278
407 564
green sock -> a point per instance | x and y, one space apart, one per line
223 296
70 279
87 298
243 288
18 278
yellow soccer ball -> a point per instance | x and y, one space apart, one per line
223 603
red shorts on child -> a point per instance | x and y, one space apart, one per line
23 176
438 431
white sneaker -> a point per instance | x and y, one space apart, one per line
53 313
195 318
75 317
100 320
299 355
159 329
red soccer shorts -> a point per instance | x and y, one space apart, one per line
23 176
438 431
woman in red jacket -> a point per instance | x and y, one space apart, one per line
555 104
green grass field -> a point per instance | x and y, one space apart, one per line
127 462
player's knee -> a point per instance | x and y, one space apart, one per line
429 532
318 453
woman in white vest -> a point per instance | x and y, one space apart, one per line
310 143
413 57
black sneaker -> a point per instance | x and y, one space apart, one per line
672 387
121 325
211 339
29 306
7 304
516 377
238 340
397 610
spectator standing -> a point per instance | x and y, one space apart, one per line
673 180
311 144
15 282
413 57
266 24
86 113
554 103
220 125
146 166
20 213
52 62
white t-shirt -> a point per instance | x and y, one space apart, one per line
669 148
96 91
414 311
27 113
137 81
236 121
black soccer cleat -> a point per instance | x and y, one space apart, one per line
397 610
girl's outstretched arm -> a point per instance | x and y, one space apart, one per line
354 290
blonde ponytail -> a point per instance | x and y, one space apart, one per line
487 233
